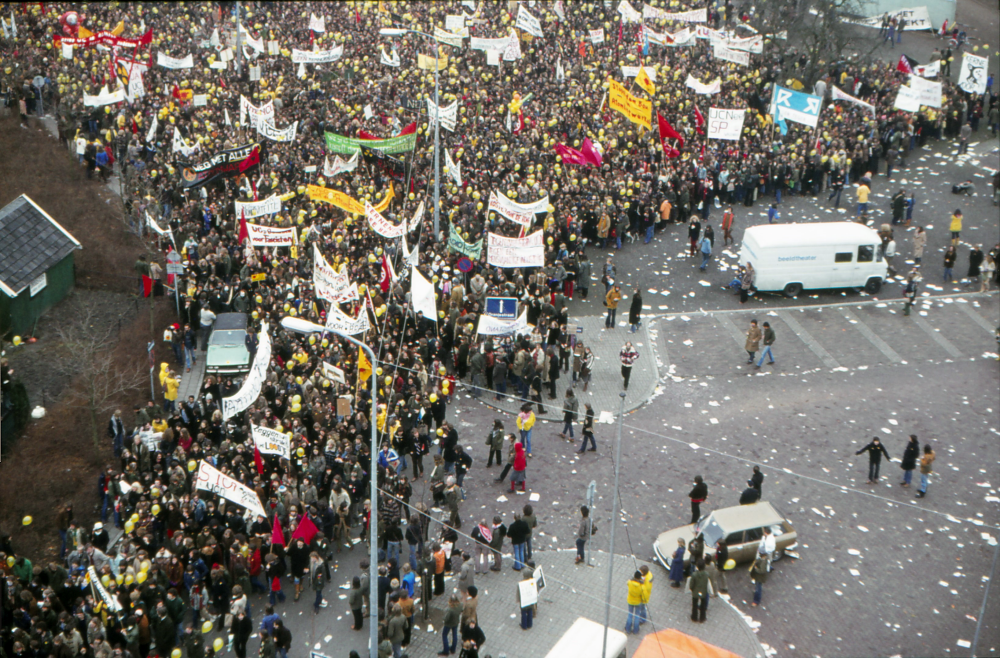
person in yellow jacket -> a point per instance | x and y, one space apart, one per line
164 371
525 421
647 591
611 301
636 586
170 385
956 227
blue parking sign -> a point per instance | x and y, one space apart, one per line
502 308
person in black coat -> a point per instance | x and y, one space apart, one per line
750 495
910 455
757 481
635 311
698 495
241 629
875 450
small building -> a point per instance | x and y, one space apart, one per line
36 265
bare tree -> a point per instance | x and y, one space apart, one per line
100 384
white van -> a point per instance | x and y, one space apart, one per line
583 640
793 257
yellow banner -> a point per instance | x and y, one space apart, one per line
260 276
643 80
636 110
426 62
344 202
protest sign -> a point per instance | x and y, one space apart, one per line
528 251
271 442
725 124
215 481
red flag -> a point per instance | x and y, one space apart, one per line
666 130
904 65
364 134
276 535
253 186
590 153
147 286
699 120
258 460
251 160
135 126
244 232
385 281
570 155
306 530
409 130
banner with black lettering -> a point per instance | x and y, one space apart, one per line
253 209
388 165
271 442
225 164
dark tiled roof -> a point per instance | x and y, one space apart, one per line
30 243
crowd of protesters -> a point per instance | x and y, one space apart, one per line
185 556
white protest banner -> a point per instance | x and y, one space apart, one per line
596 36
329 284
632 71
928 92
173 63
317 57
490 326
731 55
906 100
454 171
917 18
248 40
725 124
151 135
705 32
411 258
417 217
340 165
213 480
67 51
504 206
454 23
754 44
257 114
199 100
931 70
477 43
628 12
317 23
655 37
162 232
557 7
250 390
271 442
267 129
684 37
333 373
422 295
513 50
130 75
181 145
339 322
699 88
449 38
104 97
839 95
528 251
268 206
111 602
972 78
381 225
493 57
449 114
270 236
528 23
693 16
390 61
218 65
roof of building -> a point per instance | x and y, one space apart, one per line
31 242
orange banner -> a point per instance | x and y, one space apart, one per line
637 110
345 202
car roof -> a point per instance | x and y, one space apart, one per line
743 517
821 234
231 321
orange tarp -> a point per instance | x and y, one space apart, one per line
674 644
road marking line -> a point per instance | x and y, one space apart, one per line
978 319
810 342
938 336
727 324
872 337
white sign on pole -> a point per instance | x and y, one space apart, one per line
271 442
906 99
725 124
731 55
213 480
168 62
972 78
253 209
519 213
596 36
528 23
927 91
333 373
528 251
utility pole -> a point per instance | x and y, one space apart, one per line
239 52
614 517
437 148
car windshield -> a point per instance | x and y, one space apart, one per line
228 337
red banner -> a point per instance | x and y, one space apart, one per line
105 38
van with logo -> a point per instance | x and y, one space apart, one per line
796 257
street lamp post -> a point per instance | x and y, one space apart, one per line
614 515
399 31
304 327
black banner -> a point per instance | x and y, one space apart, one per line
388 165
225 164
412 104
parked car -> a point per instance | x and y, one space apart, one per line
227 351
742 527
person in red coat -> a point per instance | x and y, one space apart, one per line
520 465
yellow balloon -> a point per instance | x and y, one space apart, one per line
206 627
17 340
433 397
106 580
141 577
26 520
176 653
10 561
144 565
155 510
301 452
119 579
129 527
729 565
129 579
218 644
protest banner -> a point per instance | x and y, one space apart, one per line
596 36
270 236
215 481
457 244
713 87
250 390
223 165
381 225
253 209
257 114
725 124
104 97
491 326
637 110
520 213
267 129
333 373
174 63
339 322
528 23
692 16
317 56
917 18
731 55
271 442
839 95
972 77
927 91
528 251
340 165
398 144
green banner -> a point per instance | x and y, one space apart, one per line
340 144
457 244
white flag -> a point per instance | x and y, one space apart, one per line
411 257
422 295
317 23
340 165
228 122
390 61
972 78
417 217
527 22
151 134
454 170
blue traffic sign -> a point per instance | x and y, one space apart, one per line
502 308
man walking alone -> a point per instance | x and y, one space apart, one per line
875 450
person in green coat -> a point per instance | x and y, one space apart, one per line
356 601
452 617
699 593
267 649
758 574
194 645
396 629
